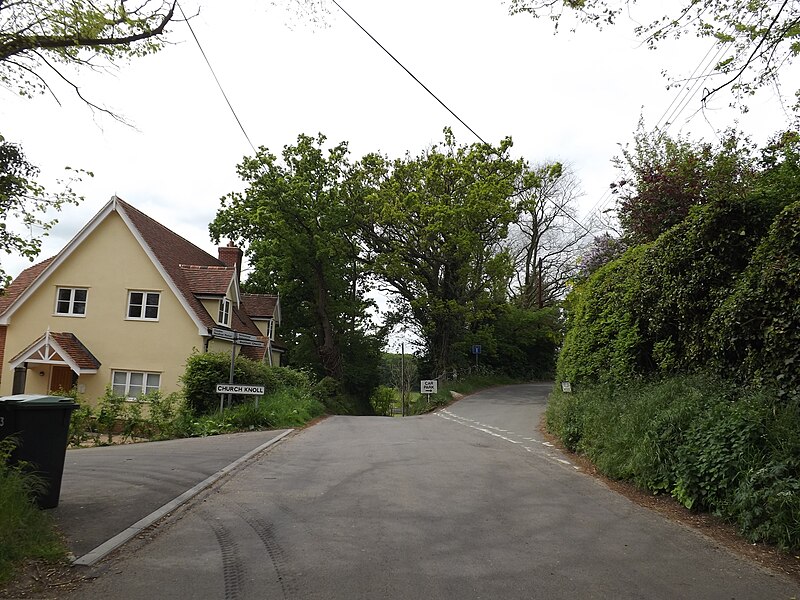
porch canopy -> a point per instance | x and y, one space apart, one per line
63 349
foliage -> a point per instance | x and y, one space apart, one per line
709 442
601 250
520 342
432 227
603 341
204 371
36 36
756 330
650 310
760 38
24 201
381 401
286 407
25 531
297 217
662 178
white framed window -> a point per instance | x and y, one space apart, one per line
223 318
71 301
143 306
132 384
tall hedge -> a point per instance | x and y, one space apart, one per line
649 312
756 330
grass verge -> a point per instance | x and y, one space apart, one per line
711 445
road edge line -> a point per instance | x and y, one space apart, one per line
101 551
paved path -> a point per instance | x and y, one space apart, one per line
465 503
107 489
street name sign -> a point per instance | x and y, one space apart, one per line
237 388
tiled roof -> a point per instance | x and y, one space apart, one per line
209 280
69 345
76 350
240 321
21 283
260 305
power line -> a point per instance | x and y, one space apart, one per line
219 85
414 77
435 97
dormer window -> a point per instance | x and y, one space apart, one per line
224 312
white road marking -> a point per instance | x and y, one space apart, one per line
492 431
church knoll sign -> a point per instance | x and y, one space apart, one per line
236 388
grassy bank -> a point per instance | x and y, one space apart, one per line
25 531
712 445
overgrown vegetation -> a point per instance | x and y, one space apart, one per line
289 401
25 531
715 293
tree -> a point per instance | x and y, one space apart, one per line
433 228
44 35
546 239
663 177
762 37
296 217
23 200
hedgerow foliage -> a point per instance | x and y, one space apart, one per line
205 371
678 303
719 292
756 331
711 443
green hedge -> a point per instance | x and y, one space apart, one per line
204 371
719 289
756 331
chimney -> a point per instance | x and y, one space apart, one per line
232 257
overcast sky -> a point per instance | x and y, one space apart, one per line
571 97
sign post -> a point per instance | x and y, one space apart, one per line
242 339
476 350
428 387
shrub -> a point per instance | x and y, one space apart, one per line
204 371
381 401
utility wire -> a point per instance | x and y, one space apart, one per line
460 120
219 85
414 77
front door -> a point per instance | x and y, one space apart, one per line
61 379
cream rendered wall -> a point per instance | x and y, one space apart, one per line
109 263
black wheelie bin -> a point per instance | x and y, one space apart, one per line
40 425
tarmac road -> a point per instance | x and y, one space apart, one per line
465 503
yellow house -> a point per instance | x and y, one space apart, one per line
123 305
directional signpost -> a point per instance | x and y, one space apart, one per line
242 339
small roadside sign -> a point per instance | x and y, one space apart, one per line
566 387
428 386
236 388
476 349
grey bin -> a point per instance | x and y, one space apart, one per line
41 426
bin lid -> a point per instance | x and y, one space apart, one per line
36 400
